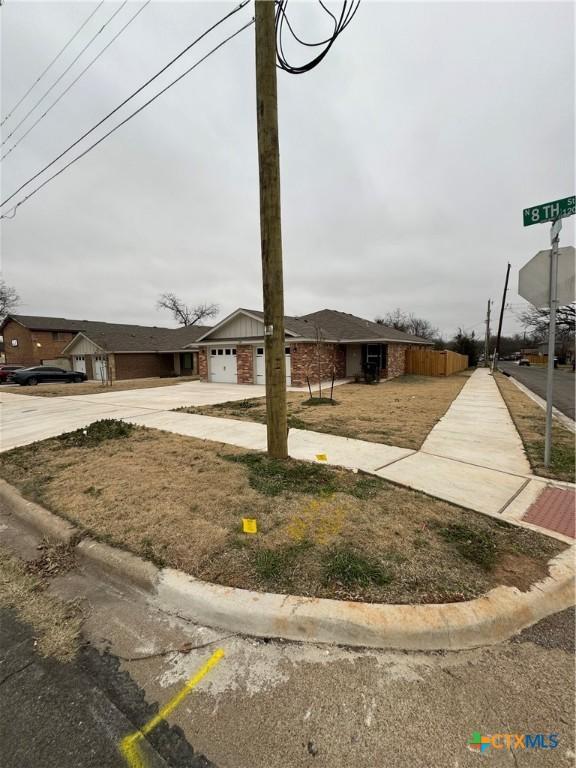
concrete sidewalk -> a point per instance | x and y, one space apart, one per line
473 457
478 429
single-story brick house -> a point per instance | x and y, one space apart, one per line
101 350
233 350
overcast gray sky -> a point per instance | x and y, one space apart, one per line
407 157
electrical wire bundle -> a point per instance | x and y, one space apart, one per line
9 214
349 8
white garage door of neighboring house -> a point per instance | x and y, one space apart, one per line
99 367
223 365
261 366
79 363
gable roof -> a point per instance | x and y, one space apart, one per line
333 326
346 327
118 337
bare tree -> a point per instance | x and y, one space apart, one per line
184 314
8 298
408 323
538 321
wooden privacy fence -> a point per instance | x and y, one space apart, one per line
434 362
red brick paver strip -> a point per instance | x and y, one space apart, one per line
554 509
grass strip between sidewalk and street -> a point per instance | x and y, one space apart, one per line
530 421
321 531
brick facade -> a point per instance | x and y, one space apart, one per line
203 364
396 361
307 361
139 365
245 364
33 346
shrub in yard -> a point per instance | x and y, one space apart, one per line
477 546
347 567
273 476
96 433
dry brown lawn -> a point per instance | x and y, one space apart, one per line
321 531
93 387
530 421
397 412
56 623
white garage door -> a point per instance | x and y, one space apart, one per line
261 366
223 365
79 363
99 365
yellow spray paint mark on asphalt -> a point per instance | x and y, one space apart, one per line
249 525
130 745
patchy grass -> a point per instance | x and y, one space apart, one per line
344 566
94 387
479 547
322 531
397 412
530 421
56 623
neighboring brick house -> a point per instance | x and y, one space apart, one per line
101 350
317 345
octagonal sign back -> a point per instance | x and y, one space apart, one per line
534 278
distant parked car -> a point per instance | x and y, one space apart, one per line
6 371
45 374
523 361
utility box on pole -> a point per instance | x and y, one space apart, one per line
270 228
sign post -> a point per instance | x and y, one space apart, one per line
549 212
554 237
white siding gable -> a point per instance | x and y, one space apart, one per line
239 327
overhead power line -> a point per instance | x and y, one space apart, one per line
68 68
126 100
349 8
86 68
54 60
12 212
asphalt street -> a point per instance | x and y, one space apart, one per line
75 715
534 377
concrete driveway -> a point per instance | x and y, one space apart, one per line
534 377
25 419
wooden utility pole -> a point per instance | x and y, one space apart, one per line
497 349
487 338
270 228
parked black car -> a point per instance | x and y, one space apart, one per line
45 373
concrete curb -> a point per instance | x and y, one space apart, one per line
119 563
487 620
34 516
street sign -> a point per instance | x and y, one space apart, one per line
534 278
558 209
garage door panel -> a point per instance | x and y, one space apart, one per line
261 366
223 366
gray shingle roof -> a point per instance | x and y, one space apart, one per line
118 337
341 326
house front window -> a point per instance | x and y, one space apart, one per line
375 354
